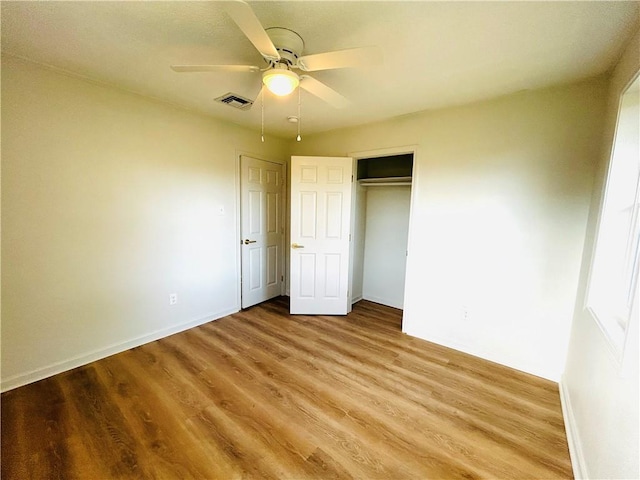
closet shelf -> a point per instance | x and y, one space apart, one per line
385 181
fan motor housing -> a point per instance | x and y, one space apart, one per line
288 43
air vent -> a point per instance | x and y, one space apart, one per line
235 101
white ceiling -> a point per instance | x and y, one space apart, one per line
436 54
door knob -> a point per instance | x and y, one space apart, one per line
295 245
247 241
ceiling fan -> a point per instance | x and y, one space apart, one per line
282 49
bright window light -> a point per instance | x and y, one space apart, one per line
614 274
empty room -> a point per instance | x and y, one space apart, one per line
320 239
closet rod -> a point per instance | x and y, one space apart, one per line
386 181
387 184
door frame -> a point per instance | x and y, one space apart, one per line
238 219
385 152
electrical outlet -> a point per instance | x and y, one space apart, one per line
465 313
173 298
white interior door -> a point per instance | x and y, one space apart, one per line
320 234
262 230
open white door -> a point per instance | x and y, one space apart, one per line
262 232
320 234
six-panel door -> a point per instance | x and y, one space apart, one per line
320 234
262 232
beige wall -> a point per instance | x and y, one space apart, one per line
600 395
500 203
385 244
110 202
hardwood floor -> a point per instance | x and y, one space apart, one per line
261 394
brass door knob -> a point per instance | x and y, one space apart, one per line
295 245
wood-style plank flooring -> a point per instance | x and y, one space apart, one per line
262 394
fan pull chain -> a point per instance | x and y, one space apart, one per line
298 138
262 115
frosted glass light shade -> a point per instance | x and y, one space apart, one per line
280 82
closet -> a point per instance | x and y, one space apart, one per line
381 229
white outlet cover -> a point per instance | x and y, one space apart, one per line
173 298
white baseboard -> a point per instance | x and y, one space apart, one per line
356 299
383 301
21 379
573 439
481 353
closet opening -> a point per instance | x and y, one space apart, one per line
382 209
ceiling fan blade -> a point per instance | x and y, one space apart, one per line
323 92
241 13
214 68
352 57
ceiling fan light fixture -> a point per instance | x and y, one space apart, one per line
280 80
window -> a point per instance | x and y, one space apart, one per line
614 274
